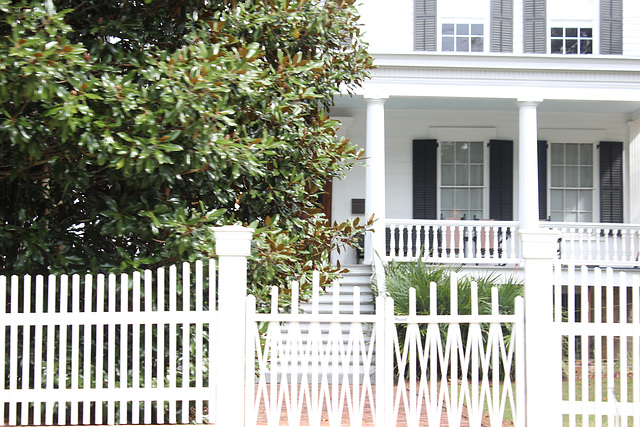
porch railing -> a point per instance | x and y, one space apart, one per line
450 241
498 242
611 245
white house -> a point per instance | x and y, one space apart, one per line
484 117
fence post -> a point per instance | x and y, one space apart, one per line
543 346
233 246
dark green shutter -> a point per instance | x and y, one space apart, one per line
611 182
501 180
501 25
611 27
542 179
425 25
535 26
425 174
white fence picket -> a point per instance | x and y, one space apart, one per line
79 350
607 333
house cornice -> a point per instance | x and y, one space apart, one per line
506 61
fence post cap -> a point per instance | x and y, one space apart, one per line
233 240
539 243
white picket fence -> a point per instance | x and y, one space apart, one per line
167 348
599 324
107 349
340 366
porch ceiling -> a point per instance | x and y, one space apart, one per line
486 104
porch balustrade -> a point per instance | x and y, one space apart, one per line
451 241
606 244
497 242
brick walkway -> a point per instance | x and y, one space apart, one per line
367 418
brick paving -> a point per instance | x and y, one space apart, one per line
367 417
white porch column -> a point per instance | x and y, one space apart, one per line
528 164
633 160
375 183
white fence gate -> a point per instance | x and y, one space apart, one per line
365 369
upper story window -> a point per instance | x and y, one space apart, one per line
462 37
571 40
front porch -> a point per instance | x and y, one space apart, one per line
497 243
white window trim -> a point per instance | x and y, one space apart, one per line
486 21
570 136
594 24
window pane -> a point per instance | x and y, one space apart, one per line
586 47
447 29
477 29
556 216
447 214
572 177
586 217
570 217
572 154
462 44
462 29
586 200
571 46
462 152
586 154
557 176
557 32
475 199
476 152
476 215
477 44
448 177
462 200
476 175
557 46
586 32
462 175
557 154
571 32
586 176
557 200
447 152
571 200
447 199
447 44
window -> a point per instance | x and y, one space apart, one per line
571 40
462 37
462 179
571 189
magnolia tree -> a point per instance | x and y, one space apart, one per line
129 128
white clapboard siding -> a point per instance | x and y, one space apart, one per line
107 349
601 346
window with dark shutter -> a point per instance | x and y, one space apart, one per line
501 180
425 191
611 27
542 179
535 26
611 182
501 25
425 25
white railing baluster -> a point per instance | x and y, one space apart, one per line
135 348
86 370
26 332
75 345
